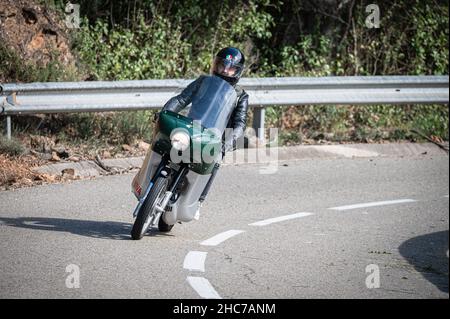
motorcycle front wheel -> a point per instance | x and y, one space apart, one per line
147 212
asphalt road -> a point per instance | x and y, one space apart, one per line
394 247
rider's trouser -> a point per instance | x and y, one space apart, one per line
210 181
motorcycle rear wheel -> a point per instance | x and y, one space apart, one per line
147 211
163 226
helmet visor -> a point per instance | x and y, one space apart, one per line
227 67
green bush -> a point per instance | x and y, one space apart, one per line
360 123
11 147
113 128
150 52
14 69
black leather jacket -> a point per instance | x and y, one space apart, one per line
238 118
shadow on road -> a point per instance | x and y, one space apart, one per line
88 228
428 255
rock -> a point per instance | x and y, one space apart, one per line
27 181
127 148
106 154
143 146
42 144
329 136
74 159
42 156
30 15
46 178
68 172
61 152
38 177
55 157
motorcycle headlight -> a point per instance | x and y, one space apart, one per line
180 141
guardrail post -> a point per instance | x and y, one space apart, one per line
258 121
8 127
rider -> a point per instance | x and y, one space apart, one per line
228 64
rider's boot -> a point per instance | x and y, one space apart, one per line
206 190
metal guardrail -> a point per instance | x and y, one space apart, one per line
102 96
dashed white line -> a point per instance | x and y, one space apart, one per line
203 287
279 219
195 261
373 204
220 238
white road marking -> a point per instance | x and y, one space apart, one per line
195 261
373 204
279 219
203 287
220 238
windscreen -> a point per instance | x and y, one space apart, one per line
213 103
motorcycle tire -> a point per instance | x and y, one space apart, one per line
159 188
163 226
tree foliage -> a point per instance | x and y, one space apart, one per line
160 39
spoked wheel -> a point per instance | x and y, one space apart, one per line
148 213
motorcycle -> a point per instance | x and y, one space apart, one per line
183 153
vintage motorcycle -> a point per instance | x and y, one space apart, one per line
183 153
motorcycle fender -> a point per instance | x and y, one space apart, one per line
187 204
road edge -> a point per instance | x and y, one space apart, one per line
260 156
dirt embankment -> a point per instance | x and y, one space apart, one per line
34 33
30 35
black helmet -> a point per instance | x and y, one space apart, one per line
229 64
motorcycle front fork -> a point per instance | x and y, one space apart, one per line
165 172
